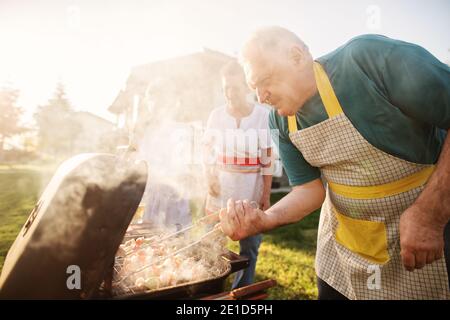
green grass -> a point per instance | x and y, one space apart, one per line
18 194
286 254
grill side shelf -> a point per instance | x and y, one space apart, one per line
236 261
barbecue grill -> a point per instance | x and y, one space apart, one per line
78 224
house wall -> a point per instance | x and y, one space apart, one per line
95 135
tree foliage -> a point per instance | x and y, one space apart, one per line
10 114
56 128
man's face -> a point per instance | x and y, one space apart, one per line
235 90
276 82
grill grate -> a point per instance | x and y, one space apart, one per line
179 261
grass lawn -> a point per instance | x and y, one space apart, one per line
20 188
286 254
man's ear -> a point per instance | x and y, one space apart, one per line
296 55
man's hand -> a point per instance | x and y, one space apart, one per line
213 185
421 239
240 220
422 225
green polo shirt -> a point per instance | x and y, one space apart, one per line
396 94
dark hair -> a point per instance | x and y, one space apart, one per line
232 69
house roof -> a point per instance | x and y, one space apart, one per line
170 75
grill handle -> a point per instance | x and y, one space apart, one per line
236 261
253 289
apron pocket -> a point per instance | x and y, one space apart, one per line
364 237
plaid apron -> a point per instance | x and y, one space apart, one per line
358 245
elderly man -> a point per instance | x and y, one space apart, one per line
238 144
369 118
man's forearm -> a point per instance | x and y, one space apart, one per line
435 198
300 202
267 170
267 181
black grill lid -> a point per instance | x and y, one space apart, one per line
78 224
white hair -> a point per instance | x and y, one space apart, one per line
271 39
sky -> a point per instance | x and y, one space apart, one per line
91 45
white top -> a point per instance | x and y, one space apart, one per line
247 140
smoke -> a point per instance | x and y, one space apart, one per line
175 193
175 187
171 101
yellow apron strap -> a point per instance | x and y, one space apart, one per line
292 124
383 190
329 99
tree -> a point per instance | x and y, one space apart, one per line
10 115
57 130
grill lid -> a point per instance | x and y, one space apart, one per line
70 238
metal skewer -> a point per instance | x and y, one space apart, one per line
171 235
190 245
